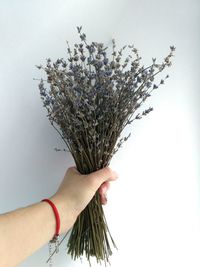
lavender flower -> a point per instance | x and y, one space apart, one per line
90 99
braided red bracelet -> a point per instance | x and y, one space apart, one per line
55 238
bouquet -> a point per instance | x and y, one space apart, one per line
90 97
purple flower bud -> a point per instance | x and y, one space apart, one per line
83 37
173 48
105 61
162 81
79 29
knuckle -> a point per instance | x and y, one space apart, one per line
109 171
70 169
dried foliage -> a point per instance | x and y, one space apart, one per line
90 97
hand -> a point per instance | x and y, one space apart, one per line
76 190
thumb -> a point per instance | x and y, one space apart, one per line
98 177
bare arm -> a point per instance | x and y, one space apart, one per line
25 230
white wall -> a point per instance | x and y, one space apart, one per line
153 209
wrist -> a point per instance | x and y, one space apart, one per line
67 216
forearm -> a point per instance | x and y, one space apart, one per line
25 230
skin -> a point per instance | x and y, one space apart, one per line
33 226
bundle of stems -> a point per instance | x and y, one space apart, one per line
90 98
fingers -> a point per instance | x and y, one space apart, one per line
97 179
103 199
103 192
102 175
104 188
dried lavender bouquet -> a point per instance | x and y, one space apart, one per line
90 97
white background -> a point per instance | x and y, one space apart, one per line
153 209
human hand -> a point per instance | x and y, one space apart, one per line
76 190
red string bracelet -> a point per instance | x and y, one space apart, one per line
55 238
